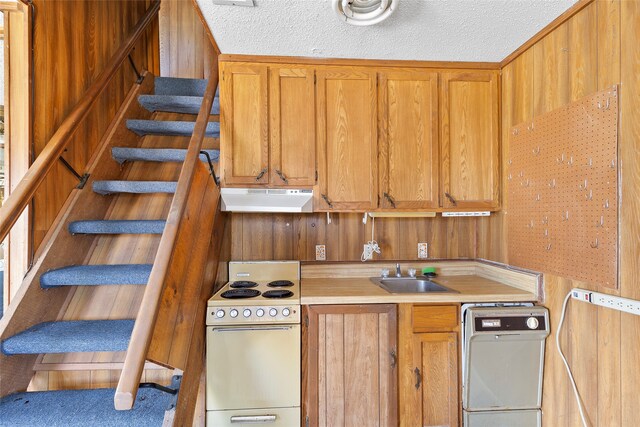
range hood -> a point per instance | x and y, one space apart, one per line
266 200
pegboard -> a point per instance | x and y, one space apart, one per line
562 175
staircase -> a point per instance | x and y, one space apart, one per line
130 231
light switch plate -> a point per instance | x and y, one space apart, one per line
321 253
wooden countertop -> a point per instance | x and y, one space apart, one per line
473 284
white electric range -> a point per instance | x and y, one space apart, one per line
253 346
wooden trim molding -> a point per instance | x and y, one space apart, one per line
301 60
568 14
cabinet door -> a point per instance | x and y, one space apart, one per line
292 129
244 124
347 139
470 140
428 374
349 365
408 106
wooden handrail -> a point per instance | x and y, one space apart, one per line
27 187
145 321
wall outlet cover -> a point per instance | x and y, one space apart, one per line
423 250
367 253
321 253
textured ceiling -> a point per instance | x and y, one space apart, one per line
428 30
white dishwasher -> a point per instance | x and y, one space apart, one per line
503 365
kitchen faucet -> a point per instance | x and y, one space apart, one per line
398 272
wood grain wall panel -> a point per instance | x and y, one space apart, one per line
72 43
185 46
630 209
295 236
593 50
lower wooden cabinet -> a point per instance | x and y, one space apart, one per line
429 389
349 365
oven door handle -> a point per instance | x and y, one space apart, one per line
269 328
253 419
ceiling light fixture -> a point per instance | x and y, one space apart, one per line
364 12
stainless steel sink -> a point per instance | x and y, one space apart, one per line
409 285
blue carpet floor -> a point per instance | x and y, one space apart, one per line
84 408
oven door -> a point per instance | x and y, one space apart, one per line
253 367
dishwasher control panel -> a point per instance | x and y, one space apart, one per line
527 322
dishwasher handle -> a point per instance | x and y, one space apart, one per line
253 419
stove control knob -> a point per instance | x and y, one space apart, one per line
233 313
273 312
286 312
259 312
246 312
532 323
220 314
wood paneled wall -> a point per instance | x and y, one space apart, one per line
185 47
73 40
593 50
295 236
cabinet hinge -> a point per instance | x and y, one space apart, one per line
306 321
306 421
315 78
316 176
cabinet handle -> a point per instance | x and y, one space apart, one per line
394 359
418 378
451 199
282 177
390 199
326 199
261 174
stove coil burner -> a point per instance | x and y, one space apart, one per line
240 293
243 284
278 293
280 284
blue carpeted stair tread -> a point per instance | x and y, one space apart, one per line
81 408
170 128
180 86
139 226
140 187
123 154
176 103
93 275
71 336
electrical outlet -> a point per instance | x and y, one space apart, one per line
321 253
610 301
423 250
367 252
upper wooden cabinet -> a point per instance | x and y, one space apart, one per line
268 125
364 138
347 139
470 140
292 126
408 140
244 121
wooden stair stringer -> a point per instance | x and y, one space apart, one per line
191 279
